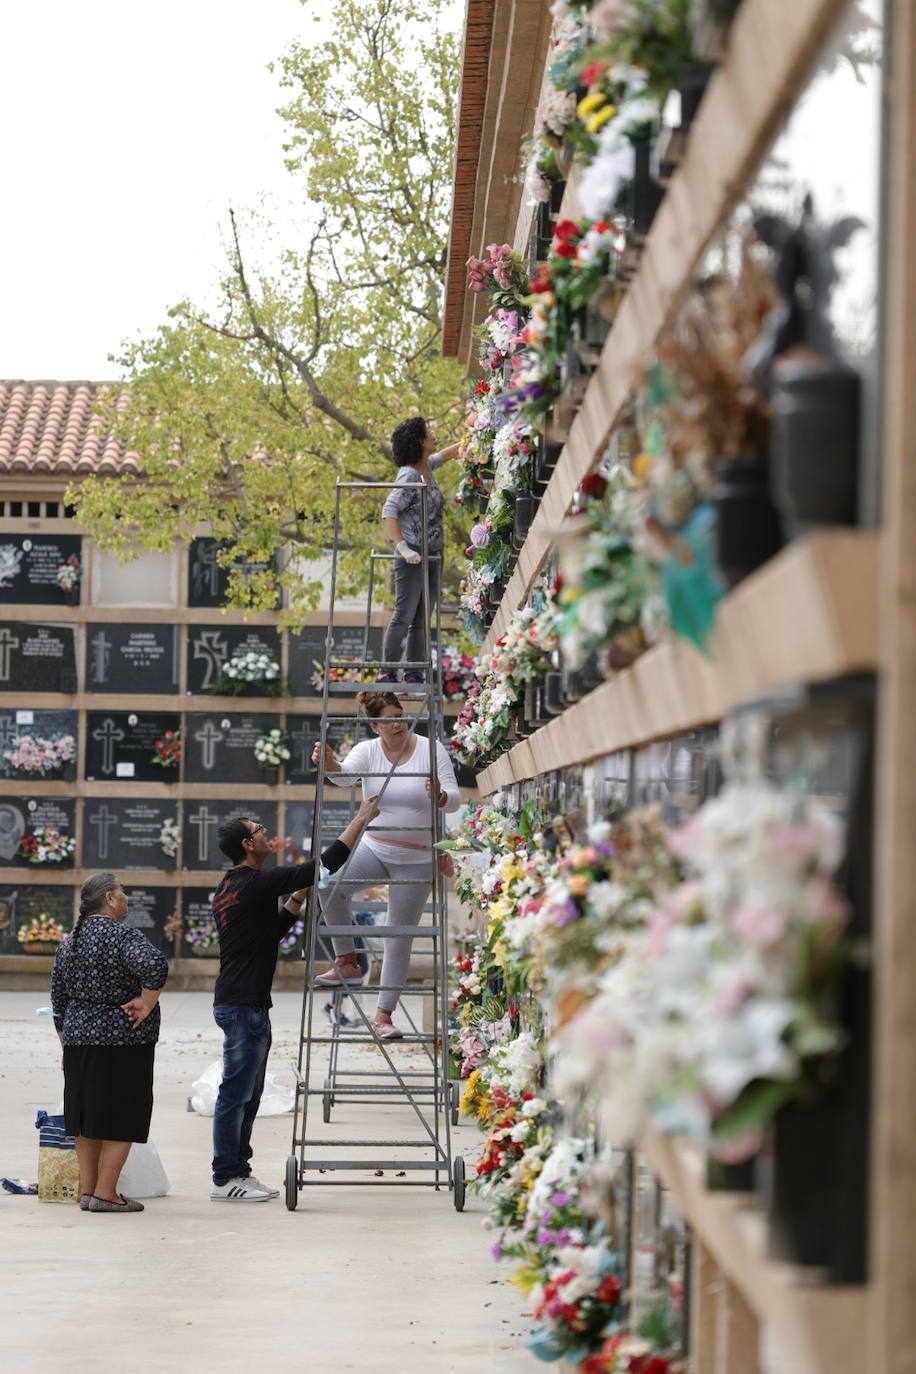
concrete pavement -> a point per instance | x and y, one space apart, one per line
357 1278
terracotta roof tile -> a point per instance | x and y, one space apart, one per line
52 427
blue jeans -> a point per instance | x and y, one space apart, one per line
246 1045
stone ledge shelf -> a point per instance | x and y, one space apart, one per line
808 615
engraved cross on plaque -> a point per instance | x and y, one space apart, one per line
103 820
208 737
213 649
108 736
8 642
204 823
9 732
100 647
299 740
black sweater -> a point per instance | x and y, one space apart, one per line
250 927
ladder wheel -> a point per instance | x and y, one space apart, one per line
454 1093
292 1183
327 1101
458 1182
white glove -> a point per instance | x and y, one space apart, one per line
408 554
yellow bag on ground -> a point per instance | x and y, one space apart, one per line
58 1168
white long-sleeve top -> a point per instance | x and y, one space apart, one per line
405 801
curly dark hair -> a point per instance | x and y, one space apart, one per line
374 703
407 442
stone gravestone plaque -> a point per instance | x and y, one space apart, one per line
123 833
21 904
36 658
121 745
304 732
21 817
207 581
198 925
132 658
202 819
148 909
220 748
335 817
31 743
465 776
210 647
28 568
307 648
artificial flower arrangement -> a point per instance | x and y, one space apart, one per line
520 656
169 837
202 934
718 1011
41 933
356 673
47 846
167 750
271 749
247 668
33 755
69 573
458 670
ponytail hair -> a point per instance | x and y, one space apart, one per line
92 893
374 703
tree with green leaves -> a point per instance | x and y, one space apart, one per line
243 417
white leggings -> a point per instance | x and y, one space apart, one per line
405 907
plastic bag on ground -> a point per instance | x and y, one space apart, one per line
143 1174
276 1099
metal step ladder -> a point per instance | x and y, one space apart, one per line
409 1078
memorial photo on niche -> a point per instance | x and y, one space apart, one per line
202 820
34 919
207 580
126 745
40 569
37 832
225 748
36 658
132 658
234 660
37 744
307 651
129 833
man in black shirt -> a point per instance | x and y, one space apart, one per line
250 929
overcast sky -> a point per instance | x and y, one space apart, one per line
129 129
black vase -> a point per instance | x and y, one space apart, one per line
590 331
545 460
645 194
525 508
557 191
672 139
747 525
543 231
553 693
814 443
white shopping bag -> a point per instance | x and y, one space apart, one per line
276 1099
143 1174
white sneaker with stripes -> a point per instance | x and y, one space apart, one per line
265 1187
239 1190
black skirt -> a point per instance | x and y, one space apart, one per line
108 1091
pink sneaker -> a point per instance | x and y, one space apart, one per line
336 976
387 1030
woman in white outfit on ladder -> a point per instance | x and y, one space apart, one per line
391 857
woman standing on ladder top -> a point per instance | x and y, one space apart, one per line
413 446
386 856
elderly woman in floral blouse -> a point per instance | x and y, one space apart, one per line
105 987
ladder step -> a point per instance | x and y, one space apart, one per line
423 932
393 1164
409 1038
389 1144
